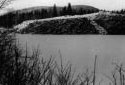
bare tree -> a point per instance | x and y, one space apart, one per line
4 3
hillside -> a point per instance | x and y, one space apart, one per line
79 24
114 24
95 23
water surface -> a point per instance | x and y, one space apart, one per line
80 50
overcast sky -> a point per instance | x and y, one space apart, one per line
102 4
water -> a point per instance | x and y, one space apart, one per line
80 50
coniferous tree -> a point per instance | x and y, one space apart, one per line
63 11
54 14
80 11
69 9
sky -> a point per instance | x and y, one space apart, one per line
102 4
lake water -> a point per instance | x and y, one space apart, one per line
80 50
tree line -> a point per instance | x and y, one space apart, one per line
122 11
13 18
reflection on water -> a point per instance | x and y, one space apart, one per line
80 49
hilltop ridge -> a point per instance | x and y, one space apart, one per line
85 7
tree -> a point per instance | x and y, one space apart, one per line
80 11
63 11
3 3
69 9
44 13
54 14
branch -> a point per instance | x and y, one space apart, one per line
3 3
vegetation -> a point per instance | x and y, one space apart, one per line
13 18
113 24
18 67
119 11
61 26
3 3
54 14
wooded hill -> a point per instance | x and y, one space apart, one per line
15 17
